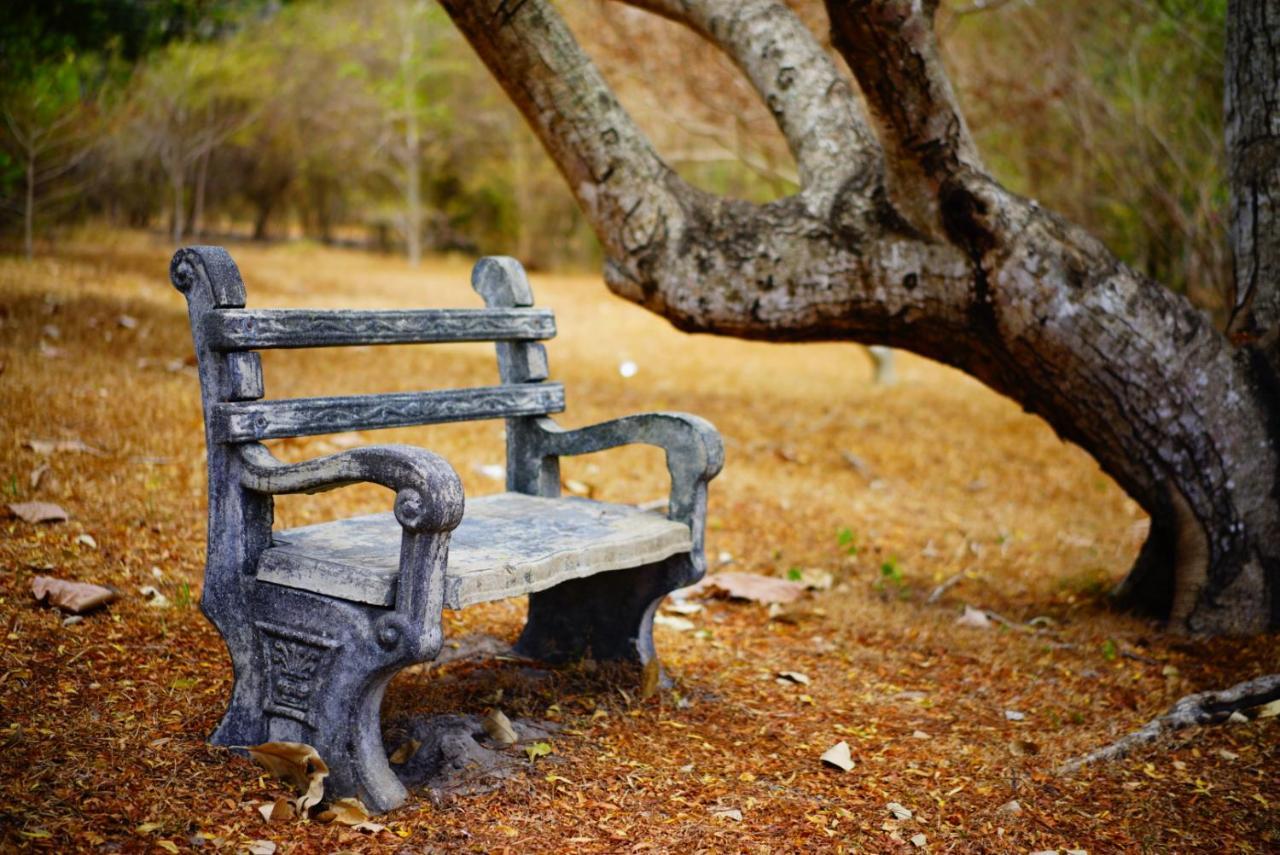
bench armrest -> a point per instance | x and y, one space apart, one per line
695 455
428 492
428 505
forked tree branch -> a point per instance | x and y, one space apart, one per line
891 47
810 100
611 167
786 269
974 276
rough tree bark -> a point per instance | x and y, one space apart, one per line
1253 151
900 237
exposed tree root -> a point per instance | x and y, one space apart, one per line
1211 707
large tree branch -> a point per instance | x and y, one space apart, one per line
811 101
999 287
892 50
612 169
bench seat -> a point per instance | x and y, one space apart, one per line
506 545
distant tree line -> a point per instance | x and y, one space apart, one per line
346 121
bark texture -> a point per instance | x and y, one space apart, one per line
1253 148
899 237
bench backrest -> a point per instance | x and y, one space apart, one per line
227 337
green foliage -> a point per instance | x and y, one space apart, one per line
1110 112
34 32
847 540
891 578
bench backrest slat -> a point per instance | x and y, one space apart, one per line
254 329
245 421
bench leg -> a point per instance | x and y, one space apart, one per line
243 723
322 688
608 616
349 738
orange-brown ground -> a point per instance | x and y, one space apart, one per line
103 723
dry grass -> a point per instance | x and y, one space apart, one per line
104 721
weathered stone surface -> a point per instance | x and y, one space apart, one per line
506 545
319 619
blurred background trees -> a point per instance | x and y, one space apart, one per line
372 123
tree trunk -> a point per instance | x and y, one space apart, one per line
908 242
413 190
177 224
29 209
412 137
202 180
262 216
1253 153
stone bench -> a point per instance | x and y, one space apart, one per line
318 619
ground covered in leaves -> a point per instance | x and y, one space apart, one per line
890 491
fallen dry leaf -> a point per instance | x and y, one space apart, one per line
838 755
74 597
749 586
975 618
55 446
152 595
352 812
537 749
678 624
499 728
295 763
39 512
281 810
919 840
793 677
1010 808
901 812
405 752
727 813
261 847
816 579
651 679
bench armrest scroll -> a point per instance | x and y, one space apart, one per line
429 504
428 492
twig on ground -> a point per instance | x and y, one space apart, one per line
946 585
1210 707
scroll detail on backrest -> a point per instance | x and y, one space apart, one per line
210 280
